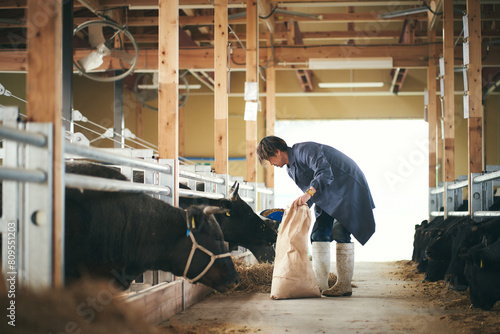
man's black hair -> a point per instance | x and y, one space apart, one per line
269 146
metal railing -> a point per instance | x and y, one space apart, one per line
482 190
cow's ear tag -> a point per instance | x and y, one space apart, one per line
187 232
481 264
228 214
193 225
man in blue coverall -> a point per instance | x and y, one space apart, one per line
343 203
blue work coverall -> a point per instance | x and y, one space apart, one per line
342 191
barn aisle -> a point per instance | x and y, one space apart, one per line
381 303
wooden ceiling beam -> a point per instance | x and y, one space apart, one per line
309 36
12 4
410 56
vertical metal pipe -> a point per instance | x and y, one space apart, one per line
118 113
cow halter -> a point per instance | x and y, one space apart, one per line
203 249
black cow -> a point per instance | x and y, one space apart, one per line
431 246
423 236
484 286
482 270
439 252
119 235
466 235
241 225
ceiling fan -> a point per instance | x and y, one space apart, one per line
107 40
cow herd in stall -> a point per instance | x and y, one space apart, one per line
462 252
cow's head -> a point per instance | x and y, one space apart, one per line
243 227
483 285
205 257
466 236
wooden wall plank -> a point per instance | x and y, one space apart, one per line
139 128
432 115
168 82
449 91
475 164
220 87
182 131
44 94
270 109
251 76
158 303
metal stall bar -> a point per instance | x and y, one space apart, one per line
24 175
250 194
102 184
477 184
453 198
29 157
266 197
194 193
435 202
9 222
106 156
197 177
31 138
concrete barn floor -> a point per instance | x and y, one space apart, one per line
381 303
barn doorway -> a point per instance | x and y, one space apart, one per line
393 154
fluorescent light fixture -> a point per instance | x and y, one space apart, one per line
350 84
349 63
404 12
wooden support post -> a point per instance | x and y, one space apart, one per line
251 76
182 131
475 92
168 82
139 128
44 94
220 87
449 95
432 115
270 107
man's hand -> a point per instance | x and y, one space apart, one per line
302 200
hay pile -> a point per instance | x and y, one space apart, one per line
88 306
258 277
254 278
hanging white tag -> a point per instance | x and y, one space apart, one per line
465 20
466 53
251 91
466 106
466 83
441 67
251 111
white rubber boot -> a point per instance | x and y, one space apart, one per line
321 263
345 269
